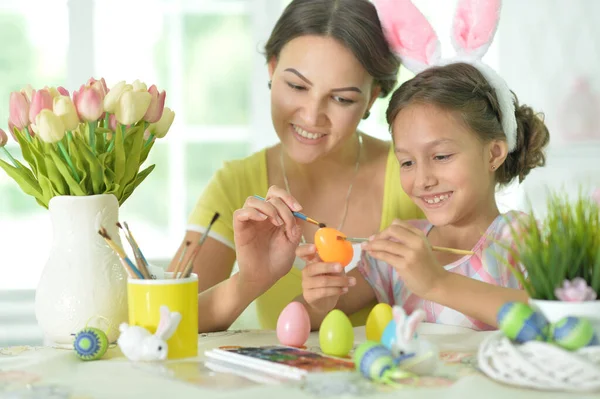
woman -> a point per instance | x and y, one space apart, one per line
328 62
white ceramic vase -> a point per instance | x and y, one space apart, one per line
83 280
556 310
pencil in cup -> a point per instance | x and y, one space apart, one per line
435 248
299 215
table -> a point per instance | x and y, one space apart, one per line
44 372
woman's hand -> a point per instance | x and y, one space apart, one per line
266 236
322 283
407 250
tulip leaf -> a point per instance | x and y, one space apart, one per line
66 173
133 144
119 166
138 179
25 150
58 183
23 179
95 168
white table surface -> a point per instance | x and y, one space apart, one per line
44 372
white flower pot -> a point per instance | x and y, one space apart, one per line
83 280
556 310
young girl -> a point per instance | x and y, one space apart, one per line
458 133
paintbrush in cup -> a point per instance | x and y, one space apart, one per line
137 253
300 215
178 268
129 266
189 267
439 249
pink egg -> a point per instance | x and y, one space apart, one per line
293 325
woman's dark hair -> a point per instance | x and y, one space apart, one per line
463 89
354 23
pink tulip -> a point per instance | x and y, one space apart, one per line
3 138
98 85
63 91
88 103
112 122
157 105
11 130
19 110
42 99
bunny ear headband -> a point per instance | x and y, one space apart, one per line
412 38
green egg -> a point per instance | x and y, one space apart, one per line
336 335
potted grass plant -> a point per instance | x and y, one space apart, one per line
560 259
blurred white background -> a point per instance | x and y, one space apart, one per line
207 55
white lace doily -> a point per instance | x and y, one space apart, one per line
540 365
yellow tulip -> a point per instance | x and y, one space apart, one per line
111 100
64 108
49 126
139 86
132 107
53 91
160 128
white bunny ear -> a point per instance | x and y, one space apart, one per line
168 323
475 24
409 34
412 322
398 314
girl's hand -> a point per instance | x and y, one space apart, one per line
266 235
322 283
407 250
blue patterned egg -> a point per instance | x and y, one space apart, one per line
373 360
90 344
521 323
574 333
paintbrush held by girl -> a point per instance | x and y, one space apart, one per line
458 133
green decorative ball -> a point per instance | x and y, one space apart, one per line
574 333
373 360
521 323
90 343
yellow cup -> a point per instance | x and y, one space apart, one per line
145 297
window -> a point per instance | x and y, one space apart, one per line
34 50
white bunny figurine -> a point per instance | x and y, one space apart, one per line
137 344
421 356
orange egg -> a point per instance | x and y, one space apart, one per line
331 249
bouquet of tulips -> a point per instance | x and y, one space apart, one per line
93 142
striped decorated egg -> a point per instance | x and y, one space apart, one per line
90 344
573 333
373 360
521 323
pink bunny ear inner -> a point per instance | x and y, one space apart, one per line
412 322
475 24
163 322
408 33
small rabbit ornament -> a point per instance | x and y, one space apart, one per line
410 352
137 344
